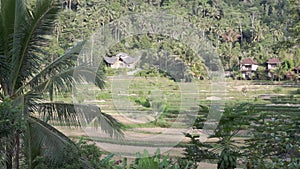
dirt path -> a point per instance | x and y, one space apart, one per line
135 140
129 149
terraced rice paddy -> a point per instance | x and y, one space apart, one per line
156 111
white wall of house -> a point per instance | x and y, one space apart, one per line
254 67
120 64
249 67
245 67
116 65
244 74
271 66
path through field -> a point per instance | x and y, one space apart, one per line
130 150
121 103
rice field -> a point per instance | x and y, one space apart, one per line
147 107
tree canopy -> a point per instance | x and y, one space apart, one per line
237 29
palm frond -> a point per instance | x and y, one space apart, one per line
21 18
45 141
3 76
80 114
6 149
29 38
85 73
64 62
7 20
65 79
63 113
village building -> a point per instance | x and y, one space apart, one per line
293 74
121 60
290 75
248 68
272 64
297 71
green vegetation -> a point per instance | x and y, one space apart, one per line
257 139
89 156
237 29
298 91
29 79
246 105
10 119
80 156
143 101
39 45
277 90
158 162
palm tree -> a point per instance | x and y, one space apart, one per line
279 72
27 78
231 53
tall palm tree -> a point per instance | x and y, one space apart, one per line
26 77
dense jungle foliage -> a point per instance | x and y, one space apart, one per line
38 52
238 29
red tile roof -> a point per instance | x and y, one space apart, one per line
274 60
290 73
248 61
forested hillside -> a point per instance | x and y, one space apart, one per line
238 29
44 88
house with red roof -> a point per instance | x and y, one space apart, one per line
272 64
294 74
248 68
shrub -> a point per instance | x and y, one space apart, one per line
104 95
79 156
298 91
143 101
277 90
10 118
161 122
150 72
158 162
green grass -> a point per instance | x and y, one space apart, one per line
138 125
141 91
